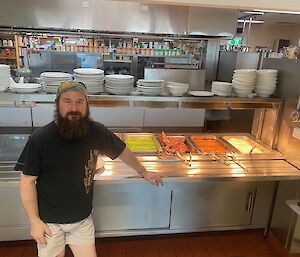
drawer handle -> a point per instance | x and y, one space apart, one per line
250 201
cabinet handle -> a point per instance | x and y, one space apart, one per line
250 200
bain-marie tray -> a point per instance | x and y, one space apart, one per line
170 145
208 144
245 145
142 143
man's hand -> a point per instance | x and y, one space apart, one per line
38 231
153 178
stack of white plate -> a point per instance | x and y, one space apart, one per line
265 84
51 80
150 87
118 84
93 79
4 77
221 88
243 81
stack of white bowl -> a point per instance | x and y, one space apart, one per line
265 84
4 77
150 87
221 88
93 79
51 80
243 82
118 84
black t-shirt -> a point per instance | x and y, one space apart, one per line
65 170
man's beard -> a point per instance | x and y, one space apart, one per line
73 129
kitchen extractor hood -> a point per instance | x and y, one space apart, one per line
117 16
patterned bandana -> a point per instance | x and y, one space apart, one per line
69 86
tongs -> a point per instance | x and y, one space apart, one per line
185 161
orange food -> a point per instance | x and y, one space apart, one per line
209 145
175 144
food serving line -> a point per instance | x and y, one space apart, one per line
214 182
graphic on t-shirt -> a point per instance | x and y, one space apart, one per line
90 169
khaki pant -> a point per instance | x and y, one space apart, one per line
79 233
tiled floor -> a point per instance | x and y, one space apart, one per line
214 244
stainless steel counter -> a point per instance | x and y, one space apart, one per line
12 99
175 170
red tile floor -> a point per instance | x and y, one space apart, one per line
213 244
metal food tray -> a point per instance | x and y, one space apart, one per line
229 147
186 141
144 135
250 141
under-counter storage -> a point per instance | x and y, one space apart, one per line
14 224
212 204
206 205
131 206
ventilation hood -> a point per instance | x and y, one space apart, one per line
117 16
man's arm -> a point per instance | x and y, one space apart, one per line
130 159
28 195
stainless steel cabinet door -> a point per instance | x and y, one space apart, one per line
212 204
130 206
14 224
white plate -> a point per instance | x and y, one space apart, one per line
156 81
119 76
55 75
24 90
26 86
88 71
200 93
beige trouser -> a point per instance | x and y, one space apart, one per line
79 233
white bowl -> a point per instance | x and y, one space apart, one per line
264 91
267 71
248 71
242 91
242 87
221 86
177 89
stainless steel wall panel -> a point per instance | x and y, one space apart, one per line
15 117
40 62
168 117
42 114
63 61
118 117
226 65
196 78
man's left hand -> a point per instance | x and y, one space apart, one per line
153 178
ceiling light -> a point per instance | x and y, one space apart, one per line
253 21
276 11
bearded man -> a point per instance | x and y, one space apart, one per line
57 167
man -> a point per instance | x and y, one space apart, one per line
58 164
